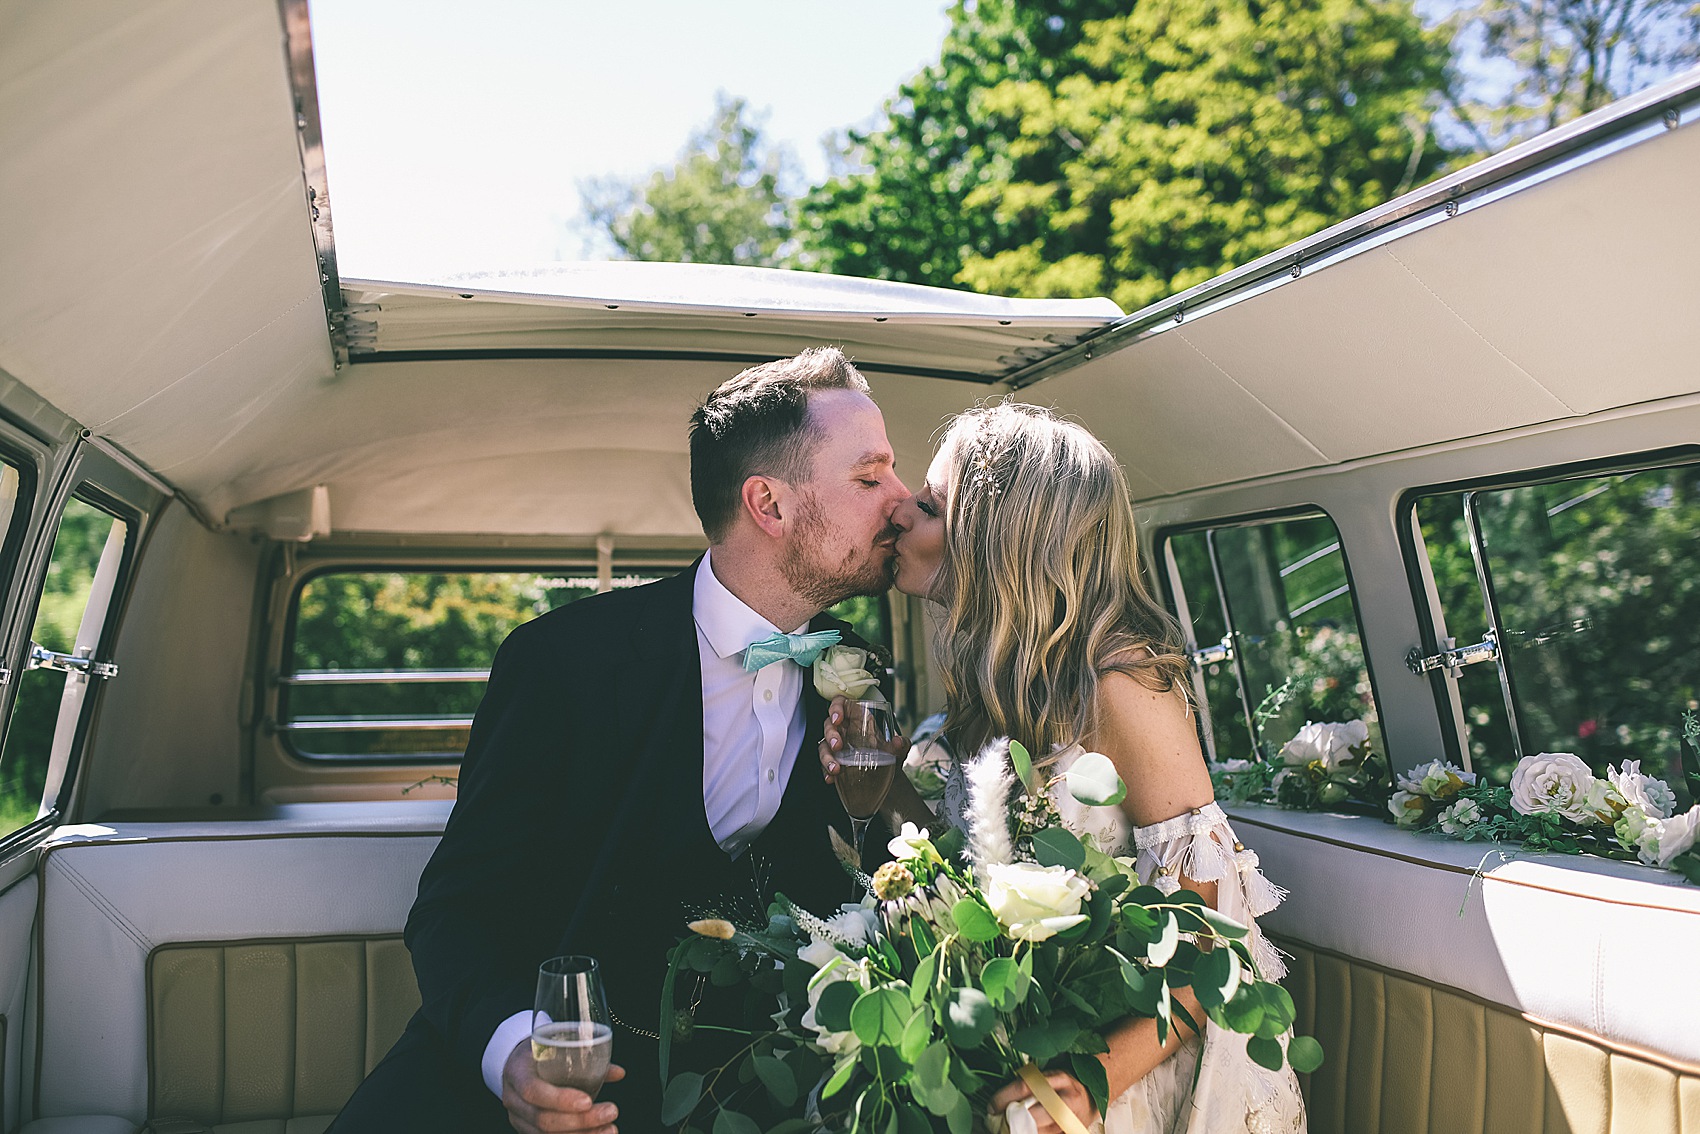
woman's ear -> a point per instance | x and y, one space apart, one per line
765 501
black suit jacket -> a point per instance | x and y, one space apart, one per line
580 826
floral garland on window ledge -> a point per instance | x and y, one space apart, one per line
1554 801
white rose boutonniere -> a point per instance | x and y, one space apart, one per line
842 671
1558 783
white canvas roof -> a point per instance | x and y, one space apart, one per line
166 276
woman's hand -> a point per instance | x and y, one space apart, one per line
1074 1096
832 740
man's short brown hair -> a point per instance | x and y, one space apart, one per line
757 424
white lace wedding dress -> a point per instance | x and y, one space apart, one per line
1231 1093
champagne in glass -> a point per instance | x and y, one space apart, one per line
571 1037
868 763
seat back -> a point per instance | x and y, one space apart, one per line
271 1029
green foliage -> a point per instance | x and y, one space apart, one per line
1549 62
898 208
77 546
1196 136
722 203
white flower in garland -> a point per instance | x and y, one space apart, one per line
1677 834
1327 744
1556 783
1653 796
1459 819
1408 808
1437 779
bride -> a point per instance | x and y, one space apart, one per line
1023 534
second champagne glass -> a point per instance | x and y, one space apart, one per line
868 763
571 1040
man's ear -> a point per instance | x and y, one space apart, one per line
766 501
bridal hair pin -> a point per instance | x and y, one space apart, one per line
982 465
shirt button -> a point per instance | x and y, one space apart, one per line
771 775
767 694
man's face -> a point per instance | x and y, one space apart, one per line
842 540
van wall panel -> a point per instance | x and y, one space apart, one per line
1516 1076
329 990
1643 1098
1368 1039
1331 1024
1578 1087
1407 1064
259 1027
1458 1083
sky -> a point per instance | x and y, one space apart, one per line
457 134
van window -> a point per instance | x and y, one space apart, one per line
387 665
1587 583
1274 630
65 638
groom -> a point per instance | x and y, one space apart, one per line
626 768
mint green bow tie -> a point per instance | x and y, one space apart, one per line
800 648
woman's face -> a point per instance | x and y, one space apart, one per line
920 541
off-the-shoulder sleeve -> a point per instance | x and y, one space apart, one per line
1200 845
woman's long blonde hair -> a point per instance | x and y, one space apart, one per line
1040 581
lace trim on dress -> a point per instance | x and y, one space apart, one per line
1200 845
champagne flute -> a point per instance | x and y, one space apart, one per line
571 1039
868 763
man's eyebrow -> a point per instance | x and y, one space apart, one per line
873 457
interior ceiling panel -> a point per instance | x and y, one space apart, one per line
1589 280
1361 358
1175 418
157 220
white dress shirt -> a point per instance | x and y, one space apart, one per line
752 727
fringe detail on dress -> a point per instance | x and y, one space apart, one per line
1200 845
989 783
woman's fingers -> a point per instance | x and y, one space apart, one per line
831 739
1074 1096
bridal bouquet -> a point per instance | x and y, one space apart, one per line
907 1011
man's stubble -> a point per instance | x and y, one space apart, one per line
861 572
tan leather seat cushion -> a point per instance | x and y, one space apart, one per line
1408 1057
242 1036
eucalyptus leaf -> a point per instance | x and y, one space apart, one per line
1094 781
1057 846
1304 1053
1265 1052
973 921
680 1097
1004 983
917 1033
1223 925
732 1122
878 1017
912 1121
1168 937
832 1011
926 972
1208 977
960 1117
840 1077
1023 761
1093 1077
777 1078
968 1017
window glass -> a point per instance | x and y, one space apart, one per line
1221 718
393 664
1285 603
1595 598
81 574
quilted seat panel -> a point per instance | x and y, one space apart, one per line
271 1037
1404 1056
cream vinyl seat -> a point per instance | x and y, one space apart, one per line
240 977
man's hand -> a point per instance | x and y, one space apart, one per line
537 1107
1074 1096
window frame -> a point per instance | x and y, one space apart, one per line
1425 596
1174 593
403 561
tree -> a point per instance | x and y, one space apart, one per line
721 204
1201 134
896 206
1567 57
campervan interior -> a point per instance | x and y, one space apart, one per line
229 478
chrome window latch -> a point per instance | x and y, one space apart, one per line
1222 651
43 658
1453 657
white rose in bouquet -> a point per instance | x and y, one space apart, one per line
1035 903
841 671
1558 783
1653 796
1328 744
833 967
